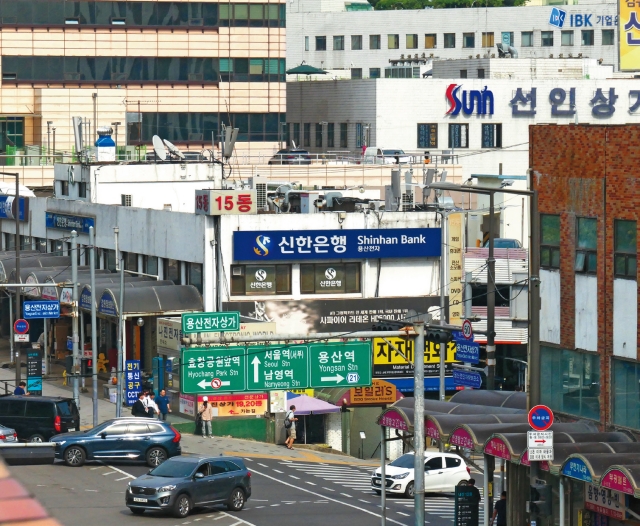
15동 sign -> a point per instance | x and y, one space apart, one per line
225 202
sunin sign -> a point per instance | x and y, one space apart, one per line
479 101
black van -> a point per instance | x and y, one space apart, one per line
38 418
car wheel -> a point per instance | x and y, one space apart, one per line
182 507
137 511
408 492
74 456
36 438
236 500
463 482
156 456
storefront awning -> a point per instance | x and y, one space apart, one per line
590 467
440 426
30 260
512 399
52 275
435 407
112 282
623 478
151 301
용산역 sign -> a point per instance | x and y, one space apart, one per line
41 309
275 367
193 322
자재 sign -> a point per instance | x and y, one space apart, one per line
193 322
389 362
275 367
225 202
278 245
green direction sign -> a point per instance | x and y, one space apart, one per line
217 369
193 322
274 367
340 364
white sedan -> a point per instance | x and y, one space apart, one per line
442 473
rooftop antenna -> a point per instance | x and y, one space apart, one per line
172 149
158 147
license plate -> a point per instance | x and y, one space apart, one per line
10 439
138 499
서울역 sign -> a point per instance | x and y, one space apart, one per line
225 202
193 322
275 367
388 362
278 245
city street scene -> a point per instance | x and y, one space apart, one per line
319 262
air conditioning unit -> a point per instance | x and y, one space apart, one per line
259 184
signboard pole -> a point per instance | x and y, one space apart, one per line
17 248
418 434
94 321
74 319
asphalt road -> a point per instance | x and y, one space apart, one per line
284 493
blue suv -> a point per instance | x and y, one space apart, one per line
153 441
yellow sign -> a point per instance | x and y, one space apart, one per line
388 362
379 393
629 35
454 228
308 392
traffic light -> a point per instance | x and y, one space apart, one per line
389 325
540 503
86 367
438 336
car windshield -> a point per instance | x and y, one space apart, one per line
405 461
393 152
173 468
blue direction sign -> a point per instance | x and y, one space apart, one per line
41 309
81 224
540 417
467 378
466 350
575 468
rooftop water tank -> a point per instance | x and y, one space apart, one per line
105 146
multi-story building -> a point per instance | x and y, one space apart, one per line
176 69
364 43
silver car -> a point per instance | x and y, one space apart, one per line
7 435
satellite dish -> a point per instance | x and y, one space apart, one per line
158 147
173 149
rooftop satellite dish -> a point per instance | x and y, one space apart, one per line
173 150
158 147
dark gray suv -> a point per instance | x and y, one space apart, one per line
182 483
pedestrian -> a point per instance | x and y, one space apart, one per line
138 408
364 149
500 511
162 401
290 425
474 490
206 415
151 405
21 389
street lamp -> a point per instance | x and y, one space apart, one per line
534 284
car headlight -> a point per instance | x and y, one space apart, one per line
170 487
401 476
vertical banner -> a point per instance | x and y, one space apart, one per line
34 372
454 242
629 35
133 381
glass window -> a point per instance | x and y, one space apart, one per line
109 259
356 42
374 73
607 37
449 40
570 382
433 463
452 462
343 135
252 280
319 135
566 38
151 265
356 73
331 133
374 41
625 248
307 134
194 275
463 73
393 41
626 393
172 270
430 41
321 43
458 135
526 39
549 241
117 429
338 43
412 41
64 187
546 38
427 135
487 40
40 409
138 429
468 40
586 245
587 37
492 135
296 133
306 43
480 73
507 38
329 278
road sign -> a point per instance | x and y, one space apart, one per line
540 417
34 372
466 503
21 338
41 309
194 322
21 326
467 330
276 367
539 439
133 381
466 350
467 378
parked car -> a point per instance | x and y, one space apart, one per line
291 156
375 155
442 473
7 435
153 441
38 418
182 483
503 242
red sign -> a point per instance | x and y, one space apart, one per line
496 447
394 420
216 383
21 326
540 417
462 438
432 430
618 481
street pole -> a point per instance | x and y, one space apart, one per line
491 303
94 339
383 476
418 424
443 276
74 319
119 368
18 280
534 302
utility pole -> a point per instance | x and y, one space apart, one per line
74 322
491 303
119 367
444 218
418 424
534 301
94 339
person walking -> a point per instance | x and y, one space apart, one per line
138 408
164 407
290 425
21 389
206 415
500 511
152 407
476 493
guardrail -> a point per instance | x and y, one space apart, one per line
28 454
7 388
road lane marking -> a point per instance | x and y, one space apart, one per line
311 483
98 467
278 471
328 498
401 513
294 477
346 495
362 500
329 489
263 465
123 478
127 475
109 473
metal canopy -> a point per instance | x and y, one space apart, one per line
113 284
623 478
153 301
435 407
512 399
591 443
440 426
597 464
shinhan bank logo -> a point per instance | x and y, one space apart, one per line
263 243
557 17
